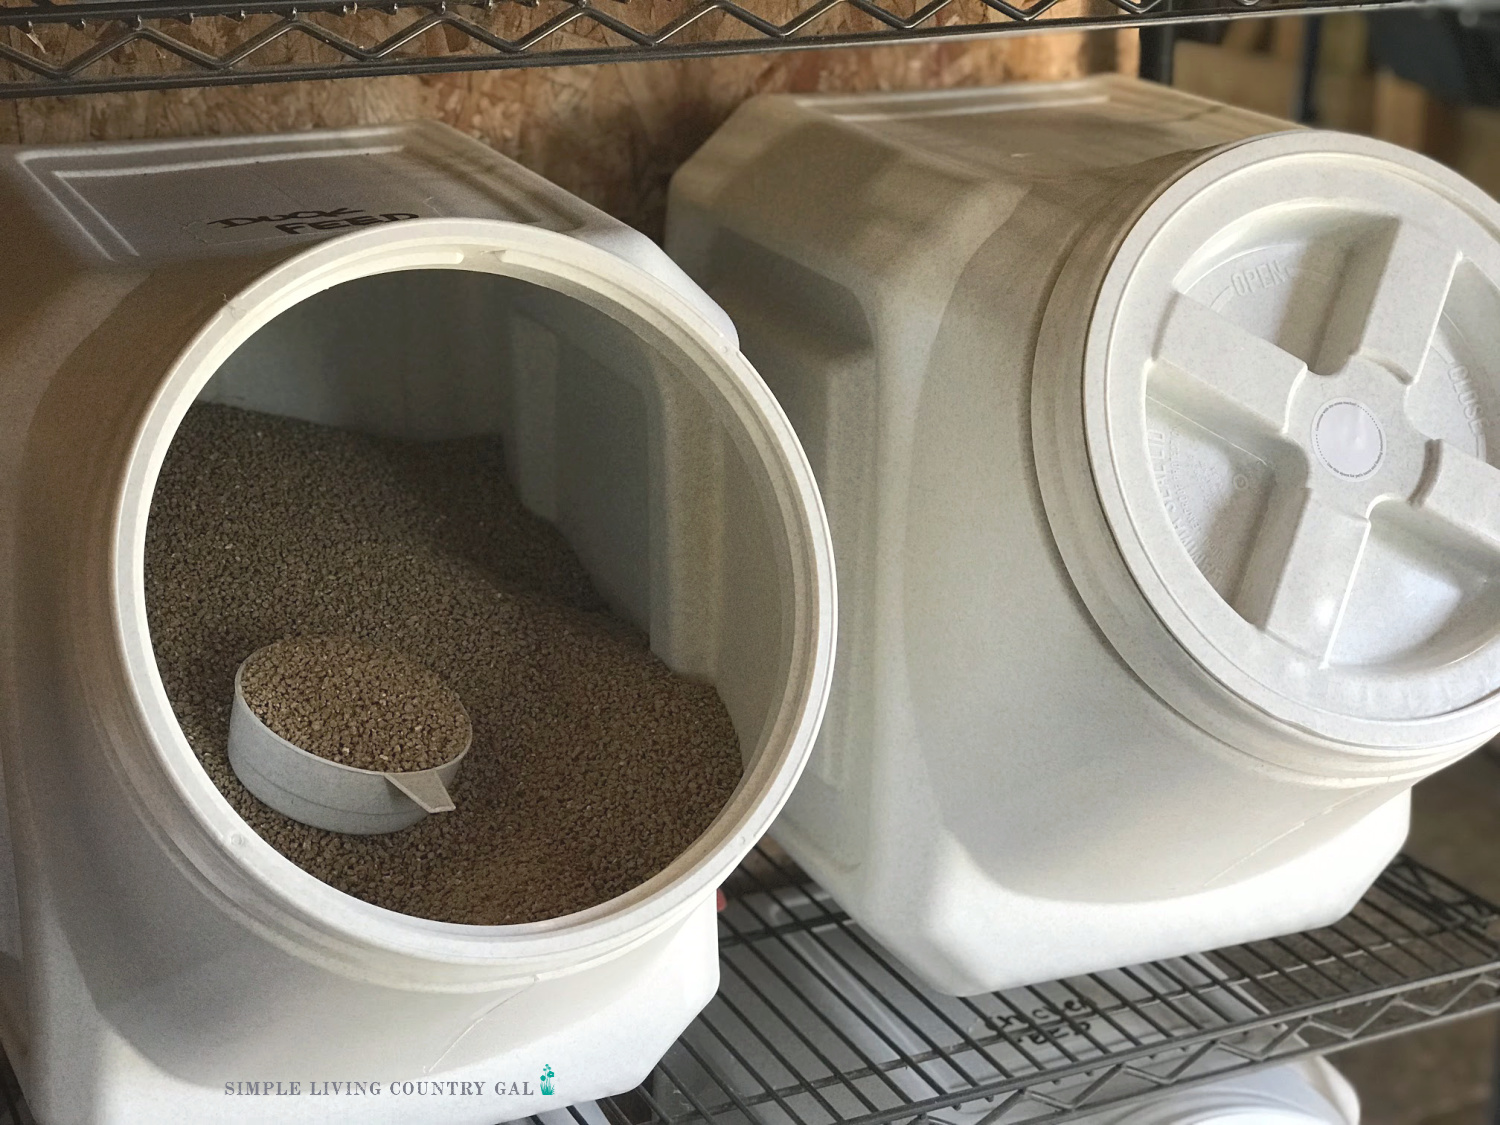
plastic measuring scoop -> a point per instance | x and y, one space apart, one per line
325 794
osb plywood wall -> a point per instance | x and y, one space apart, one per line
612 134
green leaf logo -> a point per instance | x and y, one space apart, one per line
547 1077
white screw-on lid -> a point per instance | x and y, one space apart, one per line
1291 409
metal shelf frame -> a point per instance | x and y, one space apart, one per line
815 1024
50 47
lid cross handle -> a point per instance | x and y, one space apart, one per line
1408 302
1308 547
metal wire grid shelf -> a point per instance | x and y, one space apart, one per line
815 1024
62 47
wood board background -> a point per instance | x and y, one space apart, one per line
611 134
1258 66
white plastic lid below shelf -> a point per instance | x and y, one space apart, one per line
1292 406
1306 1092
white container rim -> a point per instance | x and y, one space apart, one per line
266 890
1140 610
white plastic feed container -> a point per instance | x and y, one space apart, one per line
1155 437
159 957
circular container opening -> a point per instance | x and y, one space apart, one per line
580 511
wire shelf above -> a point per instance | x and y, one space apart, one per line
51 47
815 1024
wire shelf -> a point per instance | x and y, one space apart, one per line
815 1024
50 47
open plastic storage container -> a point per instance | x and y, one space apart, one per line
1156 440
400 281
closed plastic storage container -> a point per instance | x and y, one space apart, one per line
1156 441
159 956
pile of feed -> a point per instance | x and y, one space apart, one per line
593 765
355 704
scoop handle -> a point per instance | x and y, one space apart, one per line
424 787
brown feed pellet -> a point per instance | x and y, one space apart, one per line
355 704
593 765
